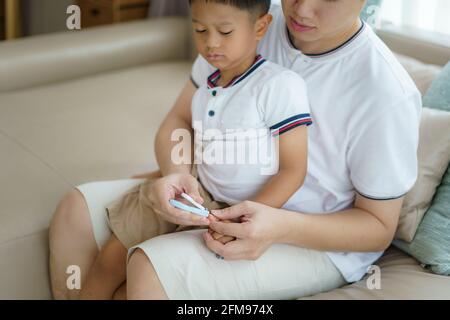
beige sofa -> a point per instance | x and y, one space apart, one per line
85 106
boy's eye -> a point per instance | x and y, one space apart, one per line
226 33
200 31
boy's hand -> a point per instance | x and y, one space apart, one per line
148 175
217 236
170 187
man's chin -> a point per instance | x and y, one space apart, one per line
304 36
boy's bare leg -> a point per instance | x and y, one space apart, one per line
72 242
108 272
121 293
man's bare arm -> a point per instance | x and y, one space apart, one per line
368 227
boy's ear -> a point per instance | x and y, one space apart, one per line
262 25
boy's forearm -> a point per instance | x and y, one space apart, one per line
164 146
280 188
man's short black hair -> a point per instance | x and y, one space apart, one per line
255 7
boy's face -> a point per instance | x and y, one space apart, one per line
225 35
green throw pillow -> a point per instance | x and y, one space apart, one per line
371 12
431 244
438 96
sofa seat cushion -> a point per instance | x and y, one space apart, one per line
31 189
25 268
402 277
55 137
30 192
96 128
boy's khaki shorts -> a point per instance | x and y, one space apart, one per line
133 220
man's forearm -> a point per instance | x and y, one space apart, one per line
164 146
350 230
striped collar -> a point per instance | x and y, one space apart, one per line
213 78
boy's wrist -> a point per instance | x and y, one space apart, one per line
178 169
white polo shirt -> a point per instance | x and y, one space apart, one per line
236 127
366 112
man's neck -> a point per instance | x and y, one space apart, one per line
325 45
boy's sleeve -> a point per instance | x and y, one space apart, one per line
200 72
382 154
284 103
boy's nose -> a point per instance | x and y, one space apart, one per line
213 42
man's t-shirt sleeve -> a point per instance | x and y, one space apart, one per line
200 72
284 104
382 154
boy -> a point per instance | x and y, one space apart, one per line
245 99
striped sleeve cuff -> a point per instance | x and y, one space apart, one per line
381 198
291 123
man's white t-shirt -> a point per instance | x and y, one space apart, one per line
366 112
236 128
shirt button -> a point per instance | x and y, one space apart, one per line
211 113
214 93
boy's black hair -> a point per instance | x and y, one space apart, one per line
255 7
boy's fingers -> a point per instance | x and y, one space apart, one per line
216 235
232 212
213 245
238 230
213 218
226 239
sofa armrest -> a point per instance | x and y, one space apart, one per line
39 60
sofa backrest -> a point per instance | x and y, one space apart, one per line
51 58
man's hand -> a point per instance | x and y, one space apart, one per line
258 227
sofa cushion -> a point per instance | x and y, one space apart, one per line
24 268
434 156
438 95
60 56
96 128
422 74
431 244
55 137
401 278
31 189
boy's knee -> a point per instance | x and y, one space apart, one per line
73 202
